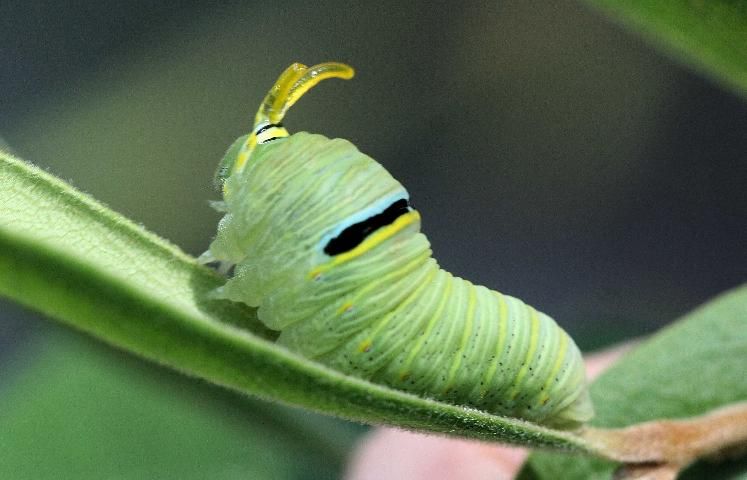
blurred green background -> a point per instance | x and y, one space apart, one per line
553 156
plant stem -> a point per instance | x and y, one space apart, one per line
668 444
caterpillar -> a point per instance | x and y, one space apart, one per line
325 242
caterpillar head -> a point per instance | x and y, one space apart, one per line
298 206
289 87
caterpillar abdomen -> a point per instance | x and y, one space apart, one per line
327 246
418 328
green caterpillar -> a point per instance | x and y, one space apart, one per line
325 243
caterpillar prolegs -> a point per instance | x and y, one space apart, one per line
325 243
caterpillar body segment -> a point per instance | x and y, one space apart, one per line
325 243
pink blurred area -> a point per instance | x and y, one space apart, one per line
388 454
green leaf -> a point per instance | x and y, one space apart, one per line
709 35
694 365
71 258
69 410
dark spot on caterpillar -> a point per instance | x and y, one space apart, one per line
354 235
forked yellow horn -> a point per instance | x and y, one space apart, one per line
292 84
289 87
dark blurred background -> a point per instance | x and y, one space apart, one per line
554 156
